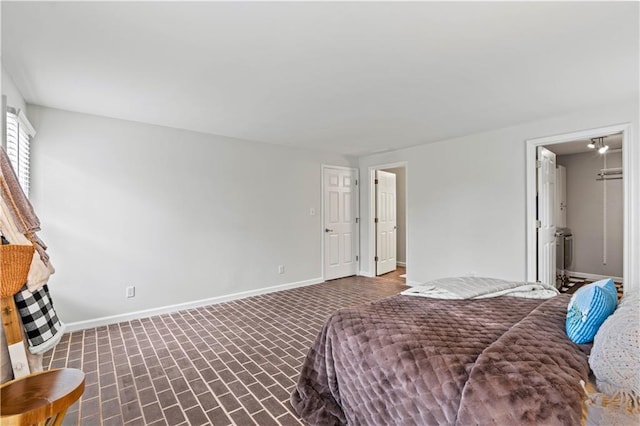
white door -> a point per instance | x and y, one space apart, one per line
340 223
386 226
546 176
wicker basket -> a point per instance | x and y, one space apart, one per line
15 261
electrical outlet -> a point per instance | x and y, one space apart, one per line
131 291
281 269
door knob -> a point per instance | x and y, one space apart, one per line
328 230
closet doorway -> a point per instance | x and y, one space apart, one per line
388 210
588 210
583 198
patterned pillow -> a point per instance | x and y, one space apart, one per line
588 308
614 357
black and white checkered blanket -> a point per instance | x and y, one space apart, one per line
41 324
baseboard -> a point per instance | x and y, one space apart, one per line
403 264
591 276
366 274
113 319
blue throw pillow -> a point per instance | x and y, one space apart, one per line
588 308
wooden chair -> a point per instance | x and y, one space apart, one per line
40 398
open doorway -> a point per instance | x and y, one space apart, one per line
576 198
589 204
389 225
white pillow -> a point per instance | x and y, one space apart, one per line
615 355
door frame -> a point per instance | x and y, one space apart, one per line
631 262
372 212
323 167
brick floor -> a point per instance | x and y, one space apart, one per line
229 363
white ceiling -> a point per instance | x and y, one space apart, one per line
353 78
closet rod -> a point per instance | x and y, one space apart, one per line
610 174
611 170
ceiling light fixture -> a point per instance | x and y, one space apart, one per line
598 143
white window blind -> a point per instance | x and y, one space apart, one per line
19 134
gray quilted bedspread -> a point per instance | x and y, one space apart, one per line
418 361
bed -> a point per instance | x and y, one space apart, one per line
423 361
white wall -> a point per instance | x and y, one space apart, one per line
181 215
466 201
9 89
585 216
13 99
